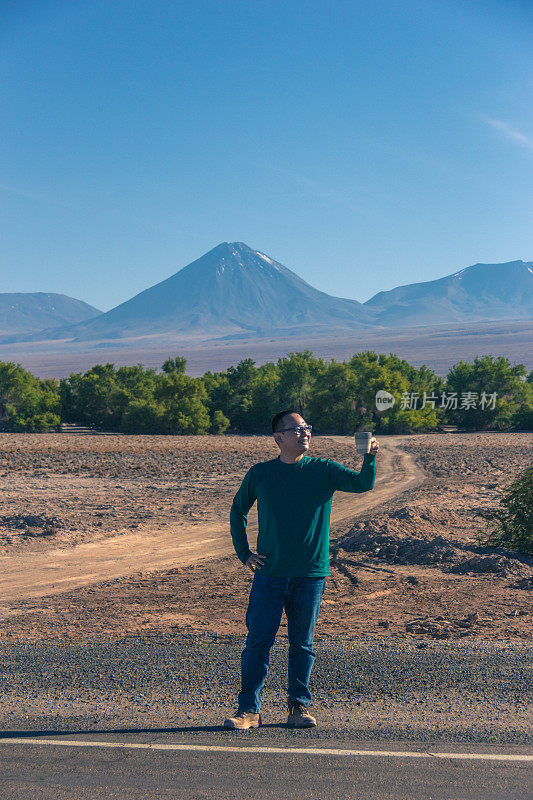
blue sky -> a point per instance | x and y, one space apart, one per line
362 144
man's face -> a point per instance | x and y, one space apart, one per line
291 441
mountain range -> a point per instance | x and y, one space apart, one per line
236 292
478 293
33 311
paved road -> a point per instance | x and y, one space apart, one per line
132 767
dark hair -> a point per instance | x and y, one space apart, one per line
277 419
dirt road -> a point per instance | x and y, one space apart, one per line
25 576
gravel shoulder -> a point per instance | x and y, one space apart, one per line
376 690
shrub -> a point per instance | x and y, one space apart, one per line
511 525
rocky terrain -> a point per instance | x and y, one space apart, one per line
424 635
413 569
62 489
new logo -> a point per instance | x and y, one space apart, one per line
384 400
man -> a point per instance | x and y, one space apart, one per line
293 493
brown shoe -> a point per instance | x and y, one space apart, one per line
299 716
242 720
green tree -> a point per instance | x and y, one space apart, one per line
399 420
399 378
26 402
511 525
218 390
218 400
184 400
336 397
134 385
248 396
137 382
240 379
177 364
265 397
143 416
95 398
219 423
334 405
498 388
297 373
523 417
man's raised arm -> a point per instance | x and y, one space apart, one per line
242 503
348 480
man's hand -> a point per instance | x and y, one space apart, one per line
374 445
255 561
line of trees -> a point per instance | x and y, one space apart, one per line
335 396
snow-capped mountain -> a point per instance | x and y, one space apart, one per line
480 292
231 290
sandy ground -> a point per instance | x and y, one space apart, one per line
405 559
47 560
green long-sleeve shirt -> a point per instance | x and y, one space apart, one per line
294 509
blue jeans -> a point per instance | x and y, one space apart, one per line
268 597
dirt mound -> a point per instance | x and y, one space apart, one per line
395 550
523 583
419 533
479 563
410 534
427 550
416 515
31 524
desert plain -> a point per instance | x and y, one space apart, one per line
113 548
143 523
